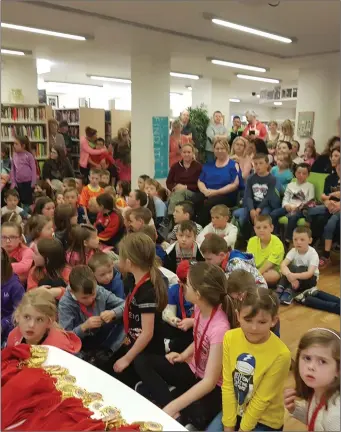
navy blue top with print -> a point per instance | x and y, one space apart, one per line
174 299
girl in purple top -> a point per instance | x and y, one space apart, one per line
23 172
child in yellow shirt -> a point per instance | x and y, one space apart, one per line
256 364
267 249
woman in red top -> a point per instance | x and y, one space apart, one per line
176 141
254 127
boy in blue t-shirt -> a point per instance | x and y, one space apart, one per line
178 314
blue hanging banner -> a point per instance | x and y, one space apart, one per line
161 146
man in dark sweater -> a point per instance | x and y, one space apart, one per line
182 179
259 191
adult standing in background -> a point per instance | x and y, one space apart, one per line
64 130
87 149
122 154
188 129
57 166
273 137
176 141
183 177
215 130
287 131
236 130
55 138
254 127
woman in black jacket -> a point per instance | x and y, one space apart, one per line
57 167
322 163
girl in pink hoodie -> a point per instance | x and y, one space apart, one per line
12 241
35 317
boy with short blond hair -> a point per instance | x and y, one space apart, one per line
215 251
105 178
92 190
220 216
185 248
267 249
183 210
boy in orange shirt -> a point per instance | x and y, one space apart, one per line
90 193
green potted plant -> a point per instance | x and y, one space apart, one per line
199 118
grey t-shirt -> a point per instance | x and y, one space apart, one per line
258 191
213 130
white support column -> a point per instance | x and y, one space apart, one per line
202 93
149 97
319 91
19 74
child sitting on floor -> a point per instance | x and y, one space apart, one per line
106 274
65 218
184 248
300 269
267 249
109 222
183 211
36 323
138 218
122 191
282 171
12 201
220 215
93 314
12 292
13 242
178 314
152 187
71 197
92 190
84 243
216 251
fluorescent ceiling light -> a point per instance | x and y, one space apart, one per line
258 96
190 88
42 31
250 30
234 100
175 94
71 84
278 103
111 79
255 78
12 52
238 65
184 75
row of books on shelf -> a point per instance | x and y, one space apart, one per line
23 114
32 132
40 149
71 116
74 132
75 149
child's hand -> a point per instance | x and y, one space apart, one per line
295 285
175 321
174 357
289 399
93 322
253 214
108 316
186 324
291 277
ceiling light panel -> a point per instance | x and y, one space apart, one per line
234 100
278 103
12 52
238 65
184 75
251 30
43 32
110 79
255 78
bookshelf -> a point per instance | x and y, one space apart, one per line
78 119
25 120
107 127
119 119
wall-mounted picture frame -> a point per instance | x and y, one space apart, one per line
53 101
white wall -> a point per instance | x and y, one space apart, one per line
19 73
265 113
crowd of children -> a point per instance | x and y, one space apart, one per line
175 311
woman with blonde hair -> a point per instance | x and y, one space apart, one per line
287 131
122 153
218 183
176 141
183 177
239 155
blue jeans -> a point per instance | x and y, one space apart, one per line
216 425
243 215
292 221
330 228
316 211
323 301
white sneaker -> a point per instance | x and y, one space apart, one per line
166 342
308 292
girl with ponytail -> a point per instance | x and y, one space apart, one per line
197 371
146 299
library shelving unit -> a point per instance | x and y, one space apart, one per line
78 119
108 135
26 120
118 120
